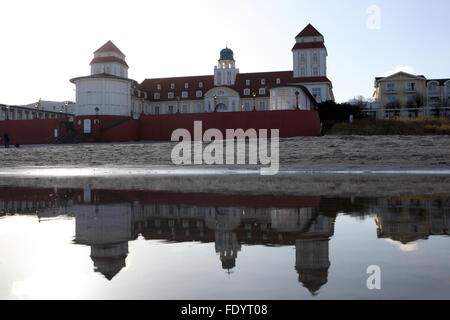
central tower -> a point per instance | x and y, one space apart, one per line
225 72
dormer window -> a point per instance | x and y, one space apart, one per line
170 95
263 81
186 85
158 86
247 82
184 94
156 96
199 94
262 91
278 81
200 84
246 92
172 86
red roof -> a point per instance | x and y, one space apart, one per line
109 59
308 45
109 47
270 80
309 31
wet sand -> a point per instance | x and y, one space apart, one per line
316 154
326 152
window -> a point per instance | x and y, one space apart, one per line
391 87
246 92
185 108
432 87
170 110
200 84
184 94
315 71
247 82
278 81
263 81
172 86
303 72
156 96
199 94
315 57
391 99
186 85
156 109
317 92
198 108
262 105
247 106
302 58
262 91
170 95
411 86
158 86
411 99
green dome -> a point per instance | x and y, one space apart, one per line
226 54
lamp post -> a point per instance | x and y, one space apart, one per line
7 112
178 104
37 105
296 96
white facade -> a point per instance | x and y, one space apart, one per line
285 98
103 96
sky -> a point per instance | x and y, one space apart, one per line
45 43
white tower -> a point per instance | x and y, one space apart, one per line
107 91
225 72
310 54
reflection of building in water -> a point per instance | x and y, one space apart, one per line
107 230
411 219
312 253
107 220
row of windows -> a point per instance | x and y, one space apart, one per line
199 94
186 86
200 84
315 71
198 108
315 58
411 86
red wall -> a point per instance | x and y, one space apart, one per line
37 131
291 123
124 132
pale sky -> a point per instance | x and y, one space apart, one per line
45 43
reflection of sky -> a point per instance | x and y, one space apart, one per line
43 263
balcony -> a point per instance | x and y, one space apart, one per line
390 91
410 90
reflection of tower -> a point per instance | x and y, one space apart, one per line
106 229
224 221
228 246
109 259
312 254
